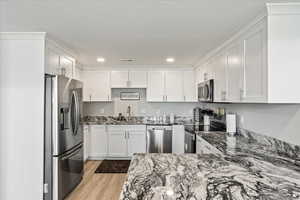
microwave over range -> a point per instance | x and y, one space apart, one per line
206 91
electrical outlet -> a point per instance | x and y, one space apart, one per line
240 121
102 111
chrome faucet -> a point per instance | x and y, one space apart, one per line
128 112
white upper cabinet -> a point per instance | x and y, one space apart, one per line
234 72
255 65
218 65
174 86
262 60
156 86
137 79
171 86
189 86
129 79
57 61
119 79
67 66
52 61
96 86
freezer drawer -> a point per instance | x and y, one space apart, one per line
68 172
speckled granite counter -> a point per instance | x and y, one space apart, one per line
247 166
110 120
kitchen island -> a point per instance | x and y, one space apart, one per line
246 166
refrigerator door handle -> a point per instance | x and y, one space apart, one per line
75 112
69 155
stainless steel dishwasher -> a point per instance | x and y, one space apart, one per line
159 139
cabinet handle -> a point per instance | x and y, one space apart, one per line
223 95
90 98
205 76
166 98
128 136
241 94
184 98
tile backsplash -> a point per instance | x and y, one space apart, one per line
139 107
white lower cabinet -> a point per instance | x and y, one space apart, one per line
86 141
178 139
97 142
136 142
125 140
117 144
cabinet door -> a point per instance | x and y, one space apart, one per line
86 142
156 86
234 72
218 65
98 141
119 79
178 139
174 86
255 66
136 142
96 86
67 66
208 70
137 79
117 145
189 86
52 62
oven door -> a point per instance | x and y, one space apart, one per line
67 172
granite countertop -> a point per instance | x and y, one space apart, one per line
110 120
246 166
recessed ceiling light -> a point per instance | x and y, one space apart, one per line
170 60
101 60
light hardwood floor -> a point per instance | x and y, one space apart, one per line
98 186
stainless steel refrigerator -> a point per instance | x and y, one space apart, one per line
63 152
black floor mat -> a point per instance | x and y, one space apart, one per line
113 166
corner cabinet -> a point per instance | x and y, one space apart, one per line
171 86
96 87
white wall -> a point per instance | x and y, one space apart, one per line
276 120
139 108
21 116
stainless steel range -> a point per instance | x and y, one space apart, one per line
63 154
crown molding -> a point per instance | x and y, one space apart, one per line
283 8
237 35
22 35
138 67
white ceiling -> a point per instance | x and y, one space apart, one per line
148 30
